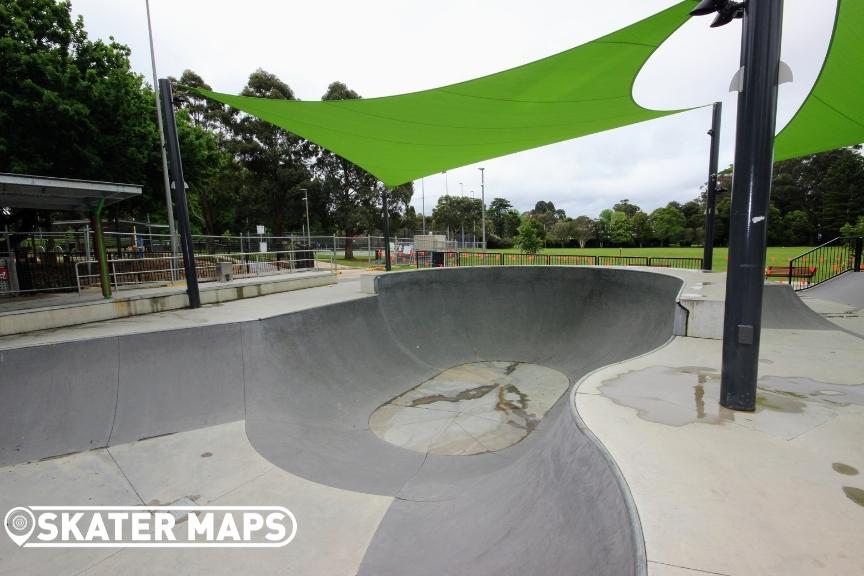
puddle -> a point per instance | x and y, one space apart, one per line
856 495
470 409
677 396
844 469
814 391
671 396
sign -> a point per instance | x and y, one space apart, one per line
259 229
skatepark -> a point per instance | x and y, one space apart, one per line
287 407
483 412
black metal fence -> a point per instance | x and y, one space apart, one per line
428 259
821 263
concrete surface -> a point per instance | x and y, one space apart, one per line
848 288
269 401
71 310
839 300
734 493
549 502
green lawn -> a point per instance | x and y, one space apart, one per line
777 255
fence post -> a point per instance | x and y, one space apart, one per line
368 250
859 248
114 273
500 258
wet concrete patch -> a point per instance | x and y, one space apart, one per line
677 396
856 495
671 396
814 391
844 469
471 408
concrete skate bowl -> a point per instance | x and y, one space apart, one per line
307 383
550 503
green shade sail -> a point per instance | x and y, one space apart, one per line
398 139
832 116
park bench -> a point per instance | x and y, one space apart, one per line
791 272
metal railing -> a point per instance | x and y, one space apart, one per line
428 259
822 263
159 271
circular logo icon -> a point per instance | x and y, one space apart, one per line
19 524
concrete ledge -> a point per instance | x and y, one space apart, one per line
157 300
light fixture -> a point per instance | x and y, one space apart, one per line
726 10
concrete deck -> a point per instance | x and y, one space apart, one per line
277 411
22 315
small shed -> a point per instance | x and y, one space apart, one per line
56 194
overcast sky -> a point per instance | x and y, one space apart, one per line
384 47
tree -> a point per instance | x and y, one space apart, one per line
620 230
602 226
72 107
275 160
641 227
798 228
694 214
827 187
582 230
627 208
455 213
668 223
547 214
504 218
561 233
531 236
856 229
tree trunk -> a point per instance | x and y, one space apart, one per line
349 246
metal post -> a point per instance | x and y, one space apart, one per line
859 248
87 252
751 189
386 231
180 190
368 250
711 195
483 203
308 232
423 208
168 206
99 238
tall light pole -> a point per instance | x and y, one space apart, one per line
168 204
423 206
308 232
483 203
711 192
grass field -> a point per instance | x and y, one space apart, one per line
777 255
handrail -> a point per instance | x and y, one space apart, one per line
828 260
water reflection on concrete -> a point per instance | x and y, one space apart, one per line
678 396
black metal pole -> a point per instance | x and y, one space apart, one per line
856 259
386 231
179 185
751 190
711 195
